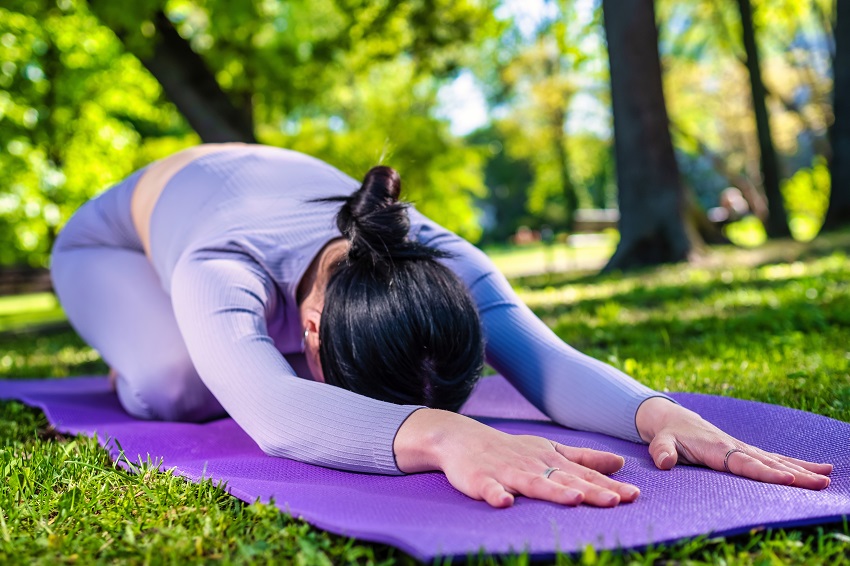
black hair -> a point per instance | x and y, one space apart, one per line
397 325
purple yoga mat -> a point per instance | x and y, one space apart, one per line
424 516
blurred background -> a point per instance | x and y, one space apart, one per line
641 131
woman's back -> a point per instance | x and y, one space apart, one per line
156 177
237 198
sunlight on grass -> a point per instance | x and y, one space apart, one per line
16 304
580 252
19 311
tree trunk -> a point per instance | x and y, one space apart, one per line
192 87
838 213
187 80
777 220
650 192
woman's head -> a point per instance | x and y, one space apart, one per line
396 324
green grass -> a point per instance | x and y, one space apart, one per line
29 310
771 324
585 251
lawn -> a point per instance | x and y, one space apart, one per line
771 324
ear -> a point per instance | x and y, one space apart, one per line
312 319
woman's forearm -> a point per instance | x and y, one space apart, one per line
653 414
424 437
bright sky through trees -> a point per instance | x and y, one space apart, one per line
463 103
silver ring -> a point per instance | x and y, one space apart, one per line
549 472
726 458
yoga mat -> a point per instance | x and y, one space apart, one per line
425 517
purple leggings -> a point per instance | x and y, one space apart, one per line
115 301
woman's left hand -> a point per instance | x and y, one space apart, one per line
676 434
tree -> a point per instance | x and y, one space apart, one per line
78 113
708 91
651 196
541 93
777 220
505 206
348 80
223 62
838 213
535 75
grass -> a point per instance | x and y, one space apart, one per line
29 310
771 324
584 251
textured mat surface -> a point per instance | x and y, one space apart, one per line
424 516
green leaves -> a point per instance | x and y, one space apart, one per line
347 80
70 100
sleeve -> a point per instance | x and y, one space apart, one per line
221 300
573 389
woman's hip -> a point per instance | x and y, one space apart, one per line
104 221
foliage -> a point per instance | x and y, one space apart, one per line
79 111
707 89
439 173
349 81
544 76
767 327
806 198
504 205
73 111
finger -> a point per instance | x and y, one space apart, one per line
663 451
604 462
742 464
495 494
791 466
625 491
594 494
822 469
802 477
537 486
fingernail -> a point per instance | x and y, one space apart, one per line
611 499
663 456
576 496
631 492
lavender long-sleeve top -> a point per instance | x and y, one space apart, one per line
231 236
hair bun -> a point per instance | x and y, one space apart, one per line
382 183
373 219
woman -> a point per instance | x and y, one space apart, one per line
235 278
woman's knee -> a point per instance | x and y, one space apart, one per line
167 391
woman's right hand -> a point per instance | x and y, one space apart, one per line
494 466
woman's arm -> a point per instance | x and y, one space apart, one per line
221 300
580 392
572 388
